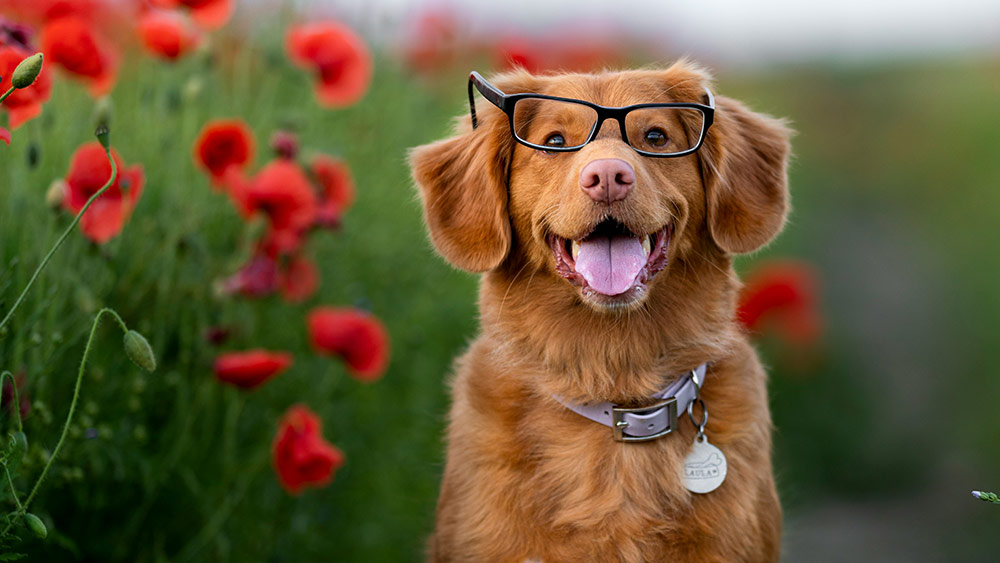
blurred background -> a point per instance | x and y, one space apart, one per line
875 310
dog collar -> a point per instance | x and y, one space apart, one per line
641 424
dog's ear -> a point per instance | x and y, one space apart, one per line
745 167
462 181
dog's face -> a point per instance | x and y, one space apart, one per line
607 220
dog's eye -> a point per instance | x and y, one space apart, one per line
555 140
656 137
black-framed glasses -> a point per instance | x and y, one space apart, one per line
553 124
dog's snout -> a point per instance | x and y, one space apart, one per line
607 180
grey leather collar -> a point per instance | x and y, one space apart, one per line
650 422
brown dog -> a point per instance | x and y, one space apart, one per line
607 276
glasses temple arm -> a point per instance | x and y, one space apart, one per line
472 106
710 98
496 97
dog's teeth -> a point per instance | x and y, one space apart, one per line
647 245
575 249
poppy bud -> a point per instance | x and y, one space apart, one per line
56 194
102 113
27 71
33 155
285 144
139 351
36 525
192 88
103 136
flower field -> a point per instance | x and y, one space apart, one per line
262 234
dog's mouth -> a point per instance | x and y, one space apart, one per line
612 265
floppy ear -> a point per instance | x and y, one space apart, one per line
745 167
463 184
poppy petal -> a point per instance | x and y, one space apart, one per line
166 34
22 114
259 277
250 369
72 43
300 280
103 219
356 336
782 295
337 55
336 190
300 455
212 14
222 144
89 172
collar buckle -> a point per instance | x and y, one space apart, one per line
646 423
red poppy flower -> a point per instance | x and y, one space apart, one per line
40 11
72 43
356 336
336 190
251 368
562 52
15 34
283 193
259 277
337 55
433 41
167 34
25 103
299 280
222 144
4 135
89 170
209 14
302 458
782 295
518 52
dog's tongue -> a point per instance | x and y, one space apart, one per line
610 264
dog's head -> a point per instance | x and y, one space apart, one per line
606 221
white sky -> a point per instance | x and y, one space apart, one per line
734 30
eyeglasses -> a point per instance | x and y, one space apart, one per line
553 124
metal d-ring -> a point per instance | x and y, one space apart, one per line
704 421
697 384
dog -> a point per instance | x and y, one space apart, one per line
603 211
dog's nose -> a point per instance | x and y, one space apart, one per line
607 180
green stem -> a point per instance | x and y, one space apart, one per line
13 491
7 93
216 521
72 405
45 261
17 399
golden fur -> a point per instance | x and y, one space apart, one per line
528 479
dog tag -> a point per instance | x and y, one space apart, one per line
704 467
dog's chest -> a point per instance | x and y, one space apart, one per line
587 480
